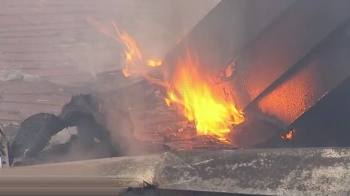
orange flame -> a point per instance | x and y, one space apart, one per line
154 63
289 135
132 52
201 101
197 99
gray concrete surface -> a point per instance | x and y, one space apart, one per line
307 172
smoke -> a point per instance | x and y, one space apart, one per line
156 25
67 42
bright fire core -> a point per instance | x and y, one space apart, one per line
195 97
202 102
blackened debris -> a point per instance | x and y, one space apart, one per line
34 134
81 105
93 140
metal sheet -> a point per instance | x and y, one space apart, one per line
296 32
262 172
311 80
224 31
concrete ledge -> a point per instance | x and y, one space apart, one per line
262 172
321 171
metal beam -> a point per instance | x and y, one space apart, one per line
224 32
310 80
285 42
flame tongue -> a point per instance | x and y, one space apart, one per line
197 99
133 56
201 101
154 63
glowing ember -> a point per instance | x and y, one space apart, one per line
153 63
132 52
289 135
202 102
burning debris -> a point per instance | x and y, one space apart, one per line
102 131
201 101
195 97
34 134
292 106
186 106
289 135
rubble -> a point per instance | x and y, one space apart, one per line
35 133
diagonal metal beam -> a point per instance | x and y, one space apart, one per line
224 32
311 80
288 39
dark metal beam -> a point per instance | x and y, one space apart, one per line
310 80
285 42
224 32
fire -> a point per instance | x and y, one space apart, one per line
289 135
132 52
154 63
201 101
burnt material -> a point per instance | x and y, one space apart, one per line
80 105
34 134
85 111
103 130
